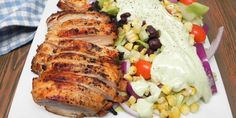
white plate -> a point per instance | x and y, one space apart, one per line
23 105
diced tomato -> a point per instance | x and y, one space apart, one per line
199 33
143 69
187 2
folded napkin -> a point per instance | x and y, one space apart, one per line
18 21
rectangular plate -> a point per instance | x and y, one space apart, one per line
23 105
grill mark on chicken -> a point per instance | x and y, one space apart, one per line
82 31
88 82
63 16
78 57
67 94
93 27
41 59
82 46
82 23
86 69
78 75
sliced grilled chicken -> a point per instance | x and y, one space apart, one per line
67 95
92 27
91 83
77 5
78 48
110 74
82 28
77 68
106 72
63 16
85 47
104 40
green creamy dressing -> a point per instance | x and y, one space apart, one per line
178 65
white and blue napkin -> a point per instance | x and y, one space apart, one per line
18 21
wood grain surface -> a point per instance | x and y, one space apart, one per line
222 12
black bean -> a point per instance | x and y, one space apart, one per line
95 6
150 51
154 43
153 33
144 23
125 15
124 19
121 55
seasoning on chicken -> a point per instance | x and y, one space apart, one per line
77 67
77 5
89 26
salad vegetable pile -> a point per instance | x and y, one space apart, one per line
164 61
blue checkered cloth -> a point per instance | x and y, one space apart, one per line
18 21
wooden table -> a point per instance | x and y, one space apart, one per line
222 12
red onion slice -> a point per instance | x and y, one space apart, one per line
91 1
125 66
173 1
203 57
131 92
206 28
129 110
115 105
215 43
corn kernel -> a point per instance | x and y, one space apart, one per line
174 113
164 114
127 103
133 59
127 27
188 26
143 51
193 91
136 47
129 46
161 100
132 100
128 77
165 89
184 109
131 36
194 107
166 2
147 92
152 56
136 29
136 78
162 106
132 70
186 92
171 100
